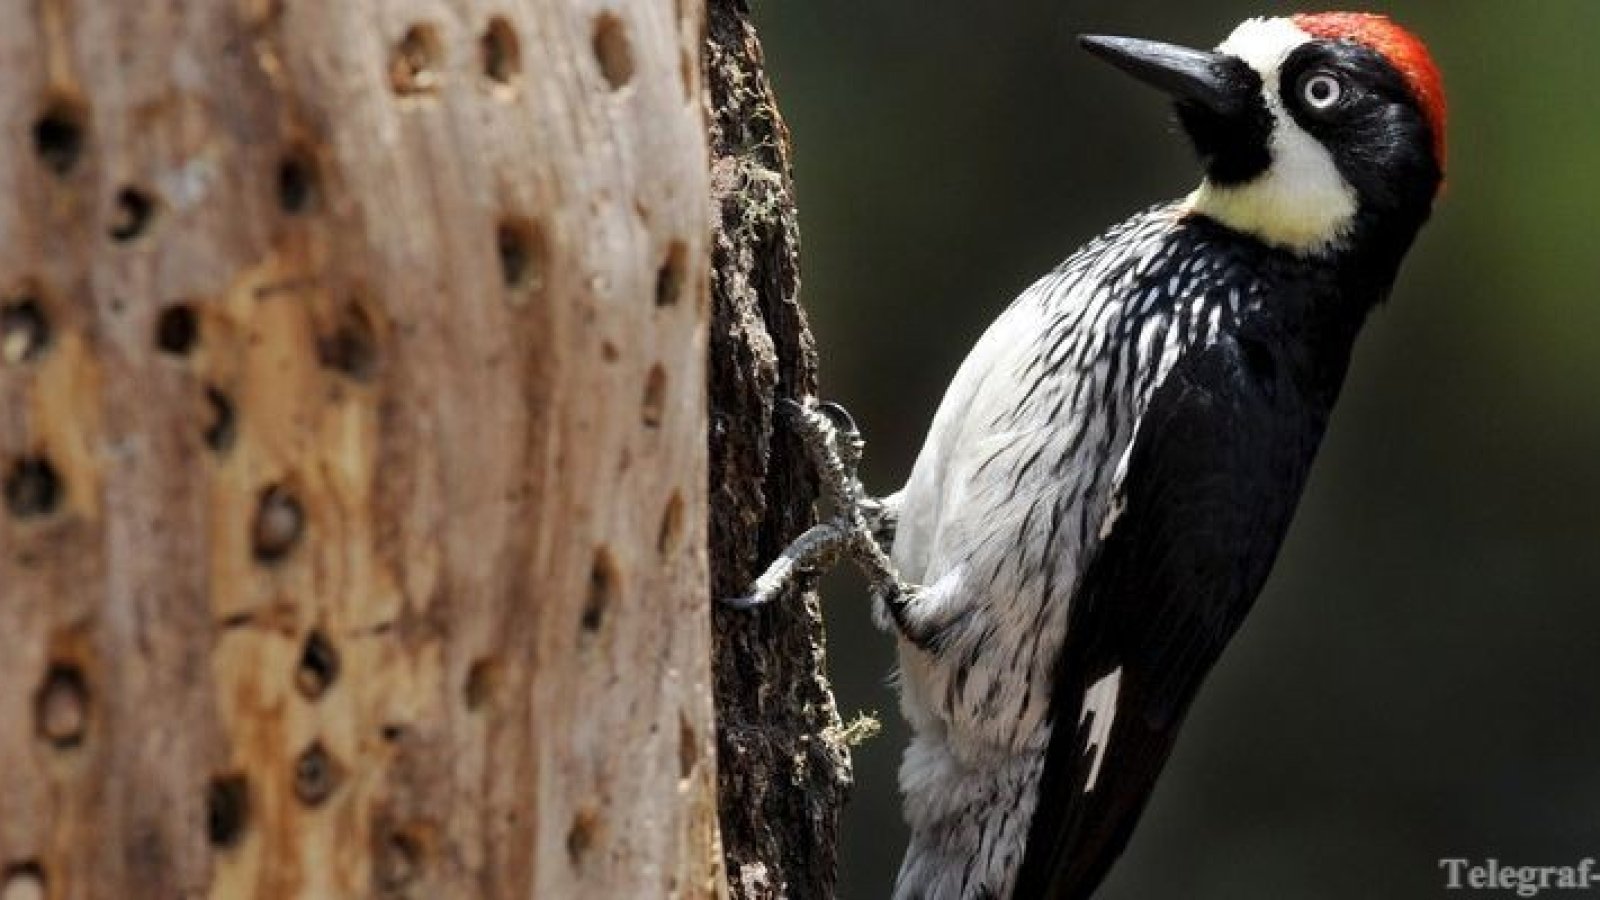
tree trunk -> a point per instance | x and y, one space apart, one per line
783 766
352 436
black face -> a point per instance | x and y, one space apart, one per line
1355 104
1230 141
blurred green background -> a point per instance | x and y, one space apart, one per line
1421 678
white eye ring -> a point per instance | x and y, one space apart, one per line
1322 90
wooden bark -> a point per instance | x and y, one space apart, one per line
352 431
783 766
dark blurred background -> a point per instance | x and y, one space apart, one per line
1421 678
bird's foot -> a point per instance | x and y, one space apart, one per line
834 444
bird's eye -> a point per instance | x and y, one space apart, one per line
1322 90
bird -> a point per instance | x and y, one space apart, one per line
1113 468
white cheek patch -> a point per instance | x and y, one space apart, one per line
1300 202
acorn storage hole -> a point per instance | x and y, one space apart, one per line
227 810
351 347
502 51
520 245
177 329
61 707
671 531
279 522
688 747
397 858
316 775
59 134
222 426
655 397
670 277
131 214
613 51
32 488
582 834
318 668
483 681
413 68
604 586
299 182
24 330
24 881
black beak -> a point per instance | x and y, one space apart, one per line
1213 80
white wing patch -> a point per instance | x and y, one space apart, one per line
1302 202
1101 702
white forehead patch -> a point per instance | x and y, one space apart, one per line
1300 202
1264 43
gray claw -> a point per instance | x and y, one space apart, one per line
840 417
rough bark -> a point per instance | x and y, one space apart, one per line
352 435
783 767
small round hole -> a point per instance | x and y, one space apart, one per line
227 810
613 51
24 331
299 184
223 428
316 775
58 135
670 277
177 329
502 51
671 525
278 525
61 707
413 67
352 347
688 747
134 210
32 488
319 666
655 397
24 881
483 679
581 836
398 860
603 590
520 246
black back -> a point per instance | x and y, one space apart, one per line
1217 467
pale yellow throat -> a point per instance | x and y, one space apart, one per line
1306 217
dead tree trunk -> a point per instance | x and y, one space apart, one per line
783 766
352 432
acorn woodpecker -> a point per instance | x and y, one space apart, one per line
1111 472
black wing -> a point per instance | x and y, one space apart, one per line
1214 474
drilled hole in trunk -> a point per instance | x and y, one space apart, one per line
177 330
502 51
613 50
59 135
132 215
227 810
32 488
24 331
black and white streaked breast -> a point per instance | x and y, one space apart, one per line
1017 487
1015 483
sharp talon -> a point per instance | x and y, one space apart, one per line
793 408
747 602
840 417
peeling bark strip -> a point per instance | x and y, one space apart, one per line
783 769
352 436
